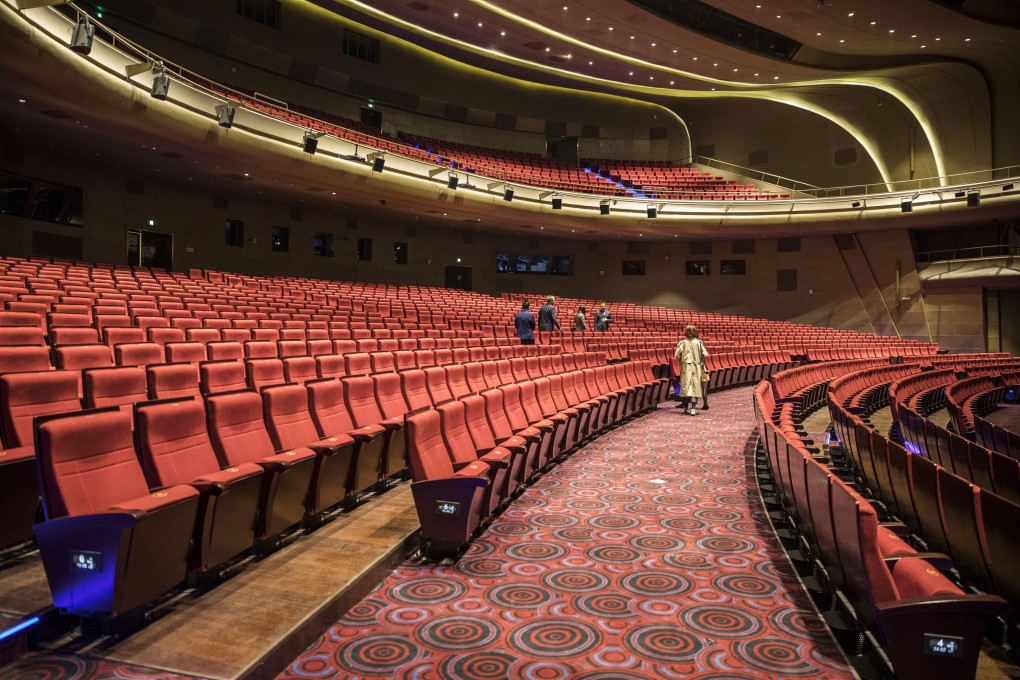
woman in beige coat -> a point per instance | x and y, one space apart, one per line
691 352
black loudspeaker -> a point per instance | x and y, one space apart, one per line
973 200
81 36
225 115
557 204
651 212
508 194
603 208
907 206
452 182
378 164
160 86
311 144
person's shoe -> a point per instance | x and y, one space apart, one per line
694 412
705 407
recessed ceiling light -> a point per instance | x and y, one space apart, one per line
914 36
651 77
779 16
503 33
610 28
873 23
587 18
923 46
850 15
653 44
564 8
715 64
755 75
630 73
966 40
817 33
479 24
713 89
734 70
757 6
674 51
892 30
671 82
456 14
21 101
842 41
548 49
590 63
695 58
775 77
937 39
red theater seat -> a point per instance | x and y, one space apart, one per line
173 380
108 545
174 448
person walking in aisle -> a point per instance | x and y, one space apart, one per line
547 316
691 352
524 324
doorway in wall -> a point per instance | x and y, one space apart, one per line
150 249
563 149
458 277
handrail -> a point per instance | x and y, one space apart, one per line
974 252
758 175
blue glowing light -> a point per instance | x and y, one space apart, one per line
18 628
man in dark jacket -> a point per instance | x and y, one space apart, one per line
524 323
547 316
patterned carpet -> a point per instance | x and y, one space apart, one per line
646 555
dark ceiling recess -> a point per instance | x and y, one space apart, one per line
715 23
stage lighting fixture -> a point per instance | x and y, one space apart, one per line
82 34
378 163
160 82
973 199
451 182
225 115
1007 187
557 203
508 193
311 142
604 208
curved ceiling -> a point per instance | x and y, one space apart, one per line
553 43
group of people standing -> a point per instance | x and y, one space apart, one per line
692 376
525 323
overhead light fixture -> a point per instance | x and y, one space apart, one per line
379 162
557 203
973 199
225 115
1007 187
604 207
82 34
311 141
160 82
451 182
508 193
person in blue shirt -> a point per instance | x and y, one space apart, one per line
547 316
524 323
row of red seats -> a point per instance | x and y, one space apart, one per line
894 592
463 472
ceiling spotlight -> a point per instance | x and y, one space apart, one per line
311 141
160 82
82 34
557 203
225 115
451 182
508 193
604 207
379 162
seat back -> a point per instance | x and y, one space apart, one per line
381 362
436 384
426 449
80 357
24 358
120 386
413 385
357 363
74 335
173 381
288 420
264 372
390 395
359 395
87 463
459 445
456 380
216 377
138 353
329 412
24 396
173 442
477 420
236 428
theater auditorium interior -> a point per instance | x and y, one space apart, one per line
263 408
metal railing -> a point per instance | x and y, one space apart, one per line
974 252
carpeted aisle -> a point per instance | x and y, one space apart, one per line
645 555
